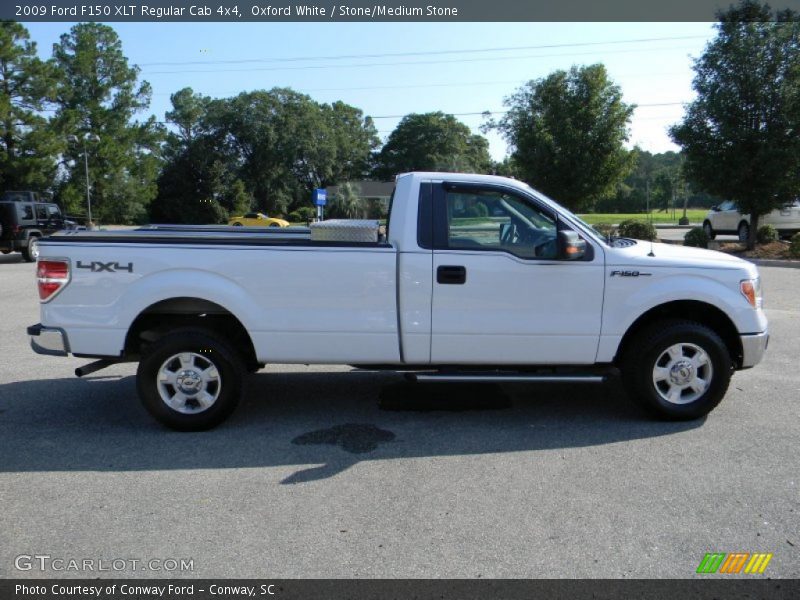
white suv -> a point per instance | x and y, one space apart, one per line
724 218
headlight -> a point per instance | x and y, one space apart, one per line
751 290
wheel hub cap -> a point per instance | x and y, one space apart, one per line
189 381
682 373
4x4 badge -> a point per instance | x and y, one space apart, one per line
110 267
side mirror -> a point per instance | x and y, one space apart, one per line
570 245
715 208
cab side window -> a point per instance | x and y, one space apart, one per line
496 220
25 212
41 212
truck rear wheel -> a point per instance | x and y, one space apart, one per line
677 370
190 380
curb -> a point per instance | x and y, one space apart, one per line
775 262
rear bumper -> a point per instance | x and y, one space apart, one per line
753 348
51 341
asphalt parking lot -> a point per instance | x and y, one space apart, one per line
321 473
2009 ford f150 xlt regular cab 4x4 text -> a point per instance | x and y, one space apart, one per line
478 278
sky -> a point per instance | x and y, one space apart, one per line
454 67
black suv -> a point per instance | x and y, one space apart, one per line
24 219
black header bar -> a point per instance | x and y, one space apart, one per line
368 10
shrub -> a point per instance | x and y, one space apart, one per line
696 237
638 230
794 246
766 234
301 215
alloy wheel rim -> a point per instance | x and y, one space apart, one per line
682 373
189 383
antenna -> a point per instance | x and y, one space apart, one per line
651 249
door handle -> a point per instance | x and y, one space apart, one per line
447 274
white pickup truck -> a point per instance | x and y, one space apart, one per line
477 278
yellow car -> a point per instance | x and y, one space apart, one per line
258 220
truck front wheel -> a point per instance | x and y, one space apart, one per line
190 380
677 370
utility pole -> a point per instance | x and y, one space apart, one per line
88 137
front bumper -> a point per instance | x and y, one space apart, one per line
753 347
51 341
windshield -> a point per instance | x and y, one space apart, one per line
589 230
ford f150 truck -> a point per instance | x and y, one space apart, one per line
476 278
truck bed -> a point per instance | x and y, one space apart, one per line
208 235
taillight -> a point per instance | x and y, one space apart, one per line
52 275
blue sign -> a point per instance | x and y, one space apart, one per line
319 197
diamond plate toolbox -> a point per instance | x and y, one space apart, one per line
345 230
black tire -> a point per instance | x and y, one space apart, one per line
202 346
647 351
743 231
31 252
710 233
237 224
274 224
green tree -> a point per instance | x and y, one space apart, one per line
98 93
740 135
197 187
567 132
287 144
347 202
199 183
28 147
506 168
278 144
432 142
188 113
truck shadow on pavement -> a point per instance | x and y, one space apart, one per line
321 422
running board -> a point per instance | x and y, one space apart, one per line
503 378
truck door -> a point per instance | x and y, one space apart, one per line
728 217
501 295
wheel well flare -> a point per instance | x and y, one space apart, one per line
691 310
167 315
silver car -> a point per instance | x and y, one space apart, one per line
726 219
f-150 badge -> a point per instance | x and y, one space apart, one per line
629 274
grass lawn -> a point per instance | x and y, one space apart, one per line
695 215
